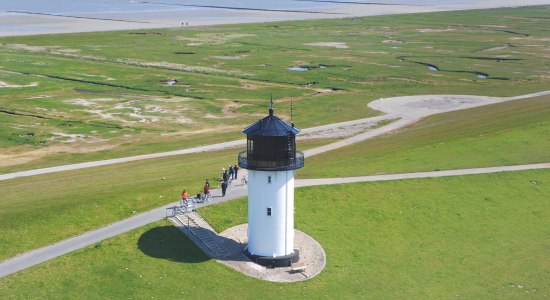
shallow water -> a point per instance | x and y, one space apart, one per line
27 17
298 69
64 7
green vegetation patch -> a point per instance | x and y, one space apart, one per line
480 236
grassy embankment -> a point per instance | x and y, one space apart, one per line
516 132
482 236
110 87
45 209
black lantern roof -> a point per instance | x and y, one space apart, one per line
271 146
270 126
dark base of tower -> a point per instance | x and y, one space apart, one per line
275 262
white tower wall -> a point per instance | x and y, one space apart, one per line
270 235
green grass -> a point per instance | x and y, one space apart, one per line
105 69
474 237
503 134
510 133
65 204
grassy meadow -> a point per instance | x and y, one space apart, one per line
80 97
480 236
72 202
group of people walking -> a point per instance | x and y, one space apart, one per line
226 178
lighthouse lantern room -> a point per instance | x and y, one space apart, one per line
271 160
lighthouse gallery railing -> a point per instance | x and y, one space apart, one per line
282 164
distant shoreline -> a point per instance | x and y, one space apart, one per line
23 22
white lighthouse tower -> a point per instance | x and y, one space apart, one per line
271 159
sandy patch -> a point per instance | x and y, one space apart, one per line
181 67
211 38
498 48
58 50
68 50
103 115
76 146
68 138
40 64
324 91
40 97
251 86
7 85
329 44
393 42
428 30
494 26
140 109
31 48
228 110
202 131
100 76
144 119
236 57
82 102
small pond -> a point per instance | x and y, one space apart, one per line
298 69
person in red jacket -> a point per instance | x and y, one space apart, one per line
184 195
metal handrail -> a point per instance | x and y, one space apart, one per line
252 163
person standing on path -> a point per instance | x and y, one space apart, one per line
235 170
206 187
225 175
184 196
224 187
231 172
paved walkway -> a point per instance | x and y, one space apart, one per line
409 109
432 174
235 191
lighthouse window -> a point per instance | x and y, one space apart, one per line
250 145
269 211
268 179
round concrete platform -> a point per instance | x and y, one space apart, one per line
312 257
